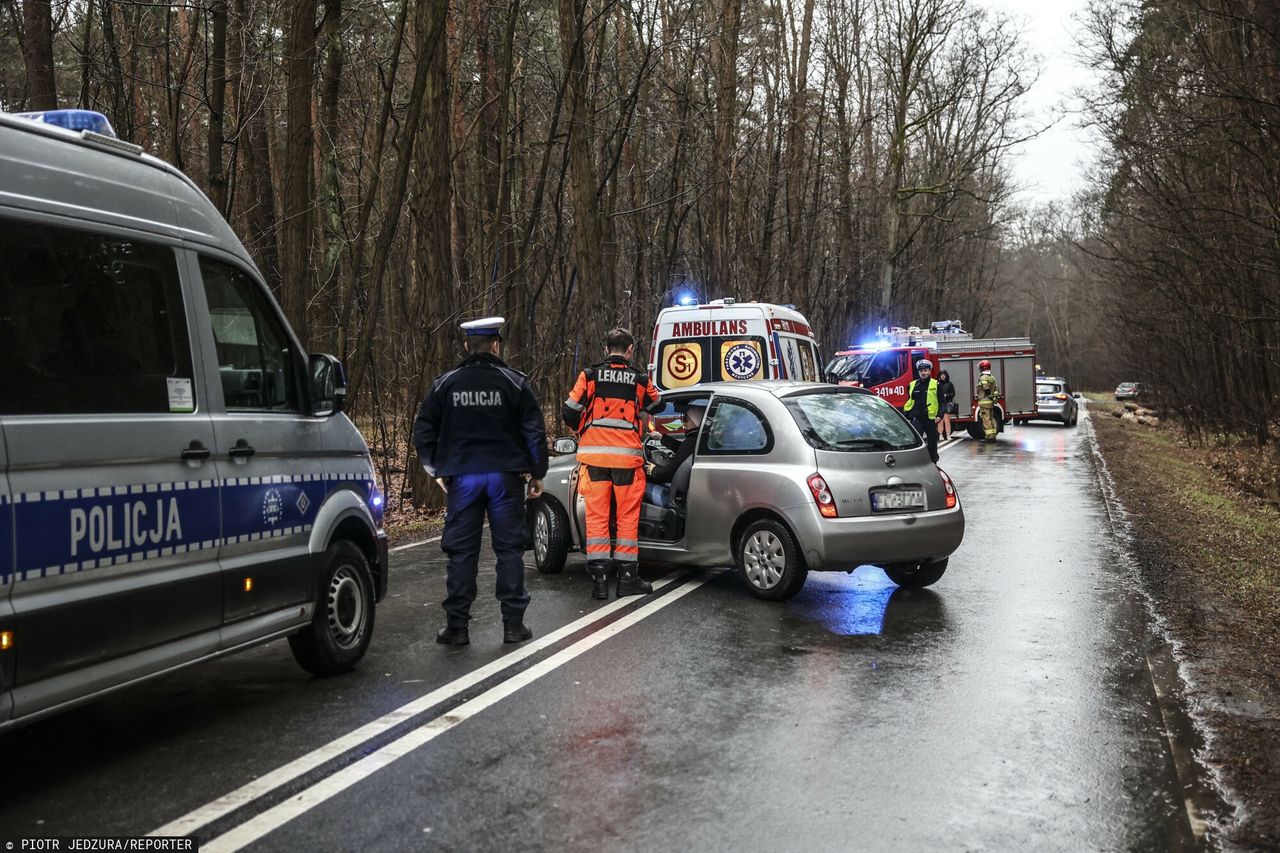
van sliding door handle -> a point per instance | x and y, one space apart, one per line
241 450
195 452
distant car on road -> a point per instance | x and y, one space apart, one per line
1055 401
1128 391
787 478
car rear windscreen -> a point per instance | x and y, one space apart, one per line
834 420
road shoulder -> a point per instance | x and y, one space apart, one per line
1208 556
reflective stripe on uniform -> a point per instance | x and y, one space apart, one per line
577 407
627 543
623 557
610 451
596 540
612 423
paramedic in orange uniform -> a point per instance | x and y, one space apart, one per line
606 409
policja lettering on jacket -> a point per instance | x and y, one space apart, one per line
477 398
483 462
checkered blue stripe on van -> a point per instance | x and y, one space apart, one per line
50 533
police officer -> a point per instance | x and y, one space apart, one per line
605 408
987 392
480 433
922 405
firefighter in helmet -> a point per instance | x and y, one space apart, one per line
922 407
606 408
987 393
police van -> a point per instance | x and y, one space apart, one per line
726 340
177 480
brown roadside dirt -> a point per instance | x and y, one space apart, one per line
1206 535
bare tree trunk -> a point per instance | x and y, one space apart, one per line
217 104
724 57
592 273
299 176
330 168
37 26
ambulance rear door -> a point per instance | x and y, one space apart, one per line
710 345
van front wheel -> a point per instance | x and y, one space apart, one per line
342 624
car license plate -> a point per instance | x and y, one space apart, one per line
888 500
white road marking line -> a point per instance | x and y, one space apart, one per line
263 785
415 544
1161 661
272 819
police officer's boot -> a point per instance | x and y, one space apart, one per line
629 581
599 570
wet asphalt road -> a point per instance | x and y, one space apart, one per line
1007 708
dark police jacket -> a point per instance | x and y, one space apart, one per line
481 418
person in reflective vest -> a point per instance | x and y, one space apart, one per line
921 407
988 392
605 408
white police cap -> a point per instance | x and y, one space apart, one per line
490 326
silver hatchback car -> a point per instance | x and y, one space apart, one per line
786 478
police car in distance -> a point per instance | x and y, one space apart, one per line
177 480
787 478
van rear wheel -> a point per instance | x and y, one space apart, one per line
342 624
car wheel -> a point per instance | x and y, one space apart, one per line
342 625
917 574
769 561
975 431
550 537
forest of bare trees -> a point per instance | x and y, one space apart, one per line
1184 240
398 166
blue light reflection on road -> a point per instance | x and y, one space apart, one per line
854 604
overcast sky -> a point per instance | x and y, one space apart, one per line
1051 167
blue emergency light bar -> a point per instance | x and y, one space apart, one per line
75 120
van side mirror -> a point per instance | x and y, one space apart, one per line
565 446
328 386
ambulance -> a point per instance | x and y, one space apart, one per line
886 365
726 340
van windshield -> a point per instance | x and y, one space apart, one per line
850 421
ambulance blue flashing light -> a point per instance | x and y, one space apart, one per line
687 299
75 120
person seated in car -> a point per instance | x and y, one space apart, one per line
658 490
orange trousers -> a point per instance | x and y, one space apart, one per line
612 493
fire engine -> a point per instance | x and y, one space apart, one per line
886 365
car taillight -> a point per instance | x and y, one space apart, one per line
1060 396
822 494
950 489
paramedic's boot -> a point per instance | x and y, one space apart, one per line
629 582
599 570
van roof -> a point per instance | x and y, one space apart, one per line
48 169
770 309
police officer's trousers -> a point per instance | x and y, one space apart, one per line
616 491
928 429
468 498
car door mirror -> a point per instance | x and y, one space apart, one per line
565 446
1075 394
328 386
